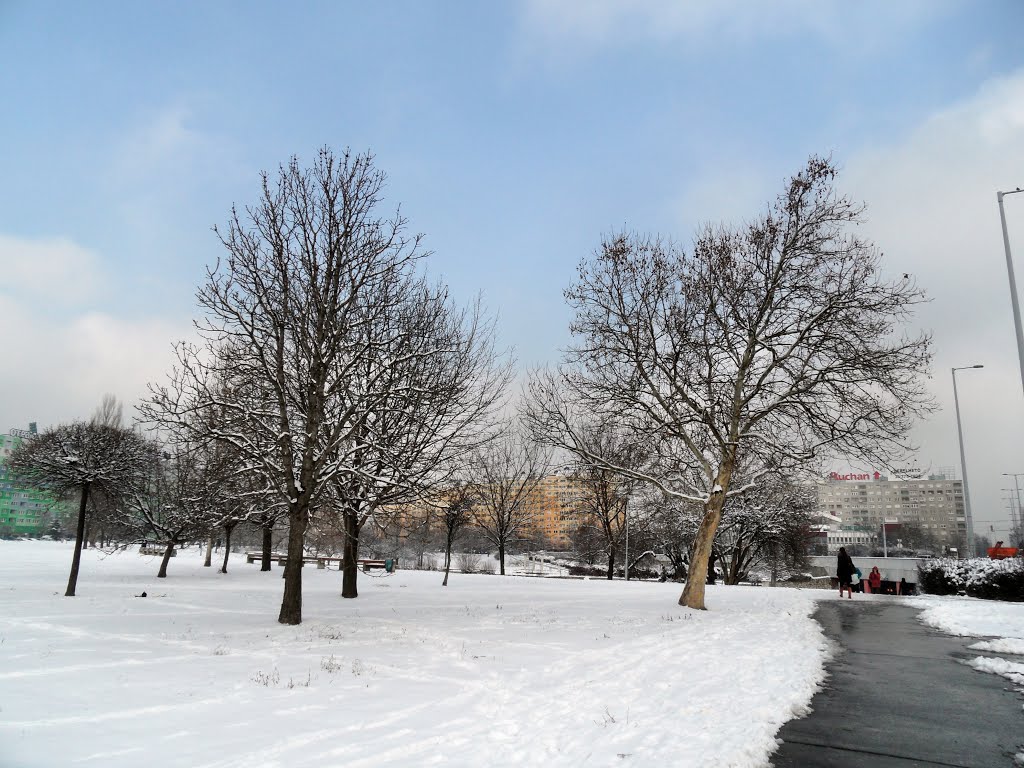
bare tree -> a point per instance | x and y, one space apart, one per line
83 457
602 493
504 474
457 514
303 270
588 542
172 507
422 401
774 343
110 412
271 511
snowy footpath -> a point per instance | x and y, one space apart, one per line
490 671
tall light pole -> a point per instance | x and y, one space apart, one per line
1015 519
1013 283
963 463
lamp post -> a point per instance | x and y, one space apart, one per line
963 463
1013 283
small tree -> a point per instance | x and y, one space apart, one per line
504 475
457 514
82 457
602 494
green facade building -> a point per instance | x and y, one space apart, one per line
24 511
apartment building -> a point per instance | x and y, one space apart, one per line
23 511
555 509
862 501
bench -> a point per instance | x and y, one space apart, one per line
387 565
323 561
156 549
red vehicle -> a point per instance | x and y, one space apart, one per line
999 552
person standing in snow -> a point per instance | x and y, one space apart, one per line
875 580
844 572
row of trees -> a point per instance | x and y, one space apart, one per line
336 383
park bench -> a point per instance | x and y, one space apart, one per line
153 548
387 565
324 561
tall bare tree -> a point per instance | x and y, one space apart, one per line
424 400
773 343
83 457
303 269
504 475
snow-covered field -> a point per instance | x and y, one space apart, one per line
490 671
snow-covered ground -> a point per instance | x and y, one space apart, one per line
490 671
1001 623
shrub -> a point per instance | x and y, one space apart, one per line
467 562
587 570
987 579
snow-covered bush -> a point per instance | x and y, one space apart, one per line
979 577
467 562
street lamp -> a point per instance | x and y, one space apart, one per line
963 462
1013 283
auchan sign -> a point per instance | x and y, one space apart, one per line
855 476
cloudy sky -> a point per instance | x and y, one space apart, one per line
514 134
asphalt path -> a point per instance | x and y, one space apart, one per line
898 695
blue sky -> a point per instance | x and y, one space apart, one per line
514 135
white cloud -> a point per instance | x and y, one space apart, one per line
48 269
596 23
61 351
932 210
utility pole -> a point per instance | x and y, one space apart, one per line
963 463
1013 283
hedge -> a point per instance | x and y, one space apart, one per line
987 579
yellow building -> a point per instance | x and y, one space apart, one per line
555 508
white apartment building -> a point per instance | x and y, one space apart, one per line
863 500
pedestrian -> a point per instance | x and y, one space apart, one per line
875 580
844 572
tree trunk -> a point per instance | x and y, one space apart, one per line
611 564
268 532
710 572
501 557
351 555
76 559
209 550
227 546
693 592
447 562
162 574
291 602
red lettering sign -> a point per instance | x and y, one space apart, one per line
854 476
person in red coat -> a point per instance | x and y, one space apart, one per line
875 580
